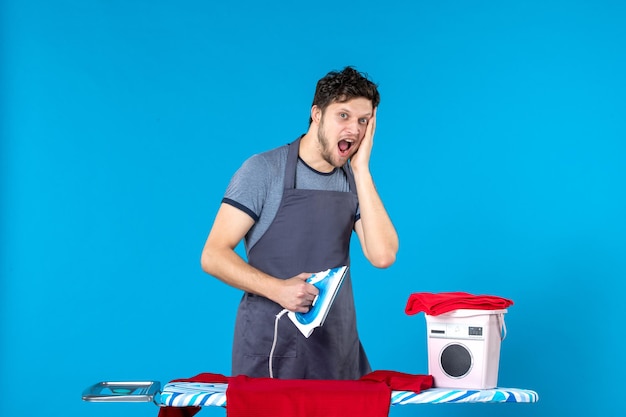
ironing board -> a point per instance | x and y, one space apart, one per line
183 394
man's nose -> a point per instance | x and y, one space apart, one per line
354 127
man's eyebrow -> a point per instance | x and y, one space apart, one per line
344 110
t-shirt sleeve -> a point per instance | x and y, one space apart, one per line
248 188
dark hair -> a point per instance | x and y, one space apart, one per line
344 86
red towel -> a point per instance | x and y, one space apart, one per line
267 397
399 381
264 397
435 304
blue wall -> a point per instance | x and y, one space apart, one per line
500 153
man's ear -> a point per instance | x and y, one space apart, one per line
316 114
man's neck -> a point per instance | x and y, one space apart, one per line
311 153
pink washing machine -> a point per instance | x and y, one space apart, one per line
464 348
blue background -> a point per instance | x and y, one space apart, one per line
500 154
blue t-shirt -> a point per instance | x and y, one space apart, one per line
257 187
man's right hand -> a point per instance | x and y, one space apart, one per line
295 294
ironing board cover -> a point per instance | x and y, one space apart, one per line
184 394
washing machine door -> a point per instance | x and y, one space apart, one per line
456 360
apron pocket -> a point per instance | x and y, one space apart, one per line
258 319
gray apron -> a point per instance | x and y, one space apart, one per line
311 232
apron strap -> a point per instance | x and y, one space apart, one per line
292 160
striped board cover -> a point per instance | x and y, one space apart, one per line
183 394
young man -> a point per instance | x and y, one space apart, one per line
296 207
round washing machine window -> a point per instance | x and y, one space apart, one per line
456 360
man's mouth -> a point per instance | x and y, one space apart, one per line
344 146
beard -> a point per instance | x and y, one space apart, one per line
326 151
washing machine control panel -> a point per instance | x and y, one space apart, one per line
455 331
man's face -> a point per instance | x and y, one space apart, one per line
341 128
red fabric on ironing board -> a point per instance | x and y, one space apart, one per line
205 377
267 397
440 303
178 411
399 381
368 397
